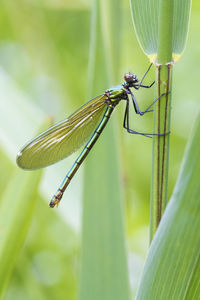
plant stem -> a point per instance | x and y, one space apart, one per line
103 234
159 190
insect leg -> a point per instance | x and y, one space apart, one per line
144 86
136 107
126 120
147 110
144 77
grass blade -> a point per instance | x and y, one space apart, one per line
104 273
162 113
15 219
172 269
145 15
162 28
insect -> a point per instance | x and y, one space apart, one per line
88 122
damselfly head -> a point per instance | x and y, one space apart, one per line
130 78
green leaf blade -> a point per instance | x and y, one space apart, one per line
104 264
15 218
145 20
145 15
104 272
180 26
176 245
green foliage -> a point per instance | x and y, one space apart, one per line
146 21
172 269
166 32
16 214
104 273
44 50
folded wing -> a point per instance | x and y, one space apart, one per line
65 137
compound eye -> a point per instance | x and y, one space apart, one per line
129 77
135 78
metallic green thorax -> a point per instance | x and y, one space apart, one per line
116 93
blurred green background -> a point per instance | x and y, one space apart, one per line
44 54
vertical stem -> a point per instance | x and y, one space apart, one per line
159 191
103 234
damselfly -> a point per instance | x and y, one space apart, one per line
88 122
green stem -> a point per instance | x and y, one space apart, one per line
159 191
103 235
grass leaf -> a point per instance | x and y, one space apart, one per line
172 269
104 273
146 21
16 212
